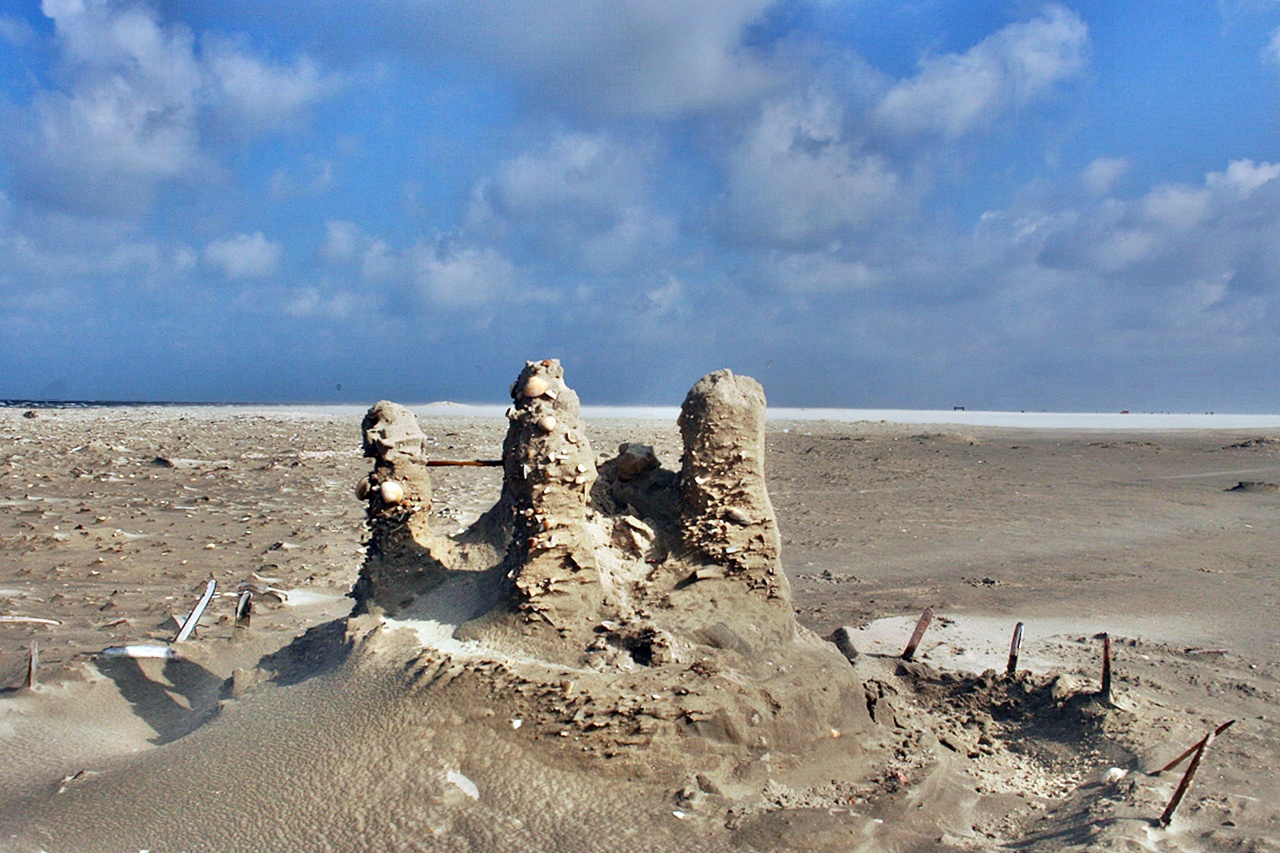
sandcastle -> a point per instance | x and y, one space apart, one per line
666 584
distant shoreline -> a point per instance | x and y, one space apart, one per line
954 417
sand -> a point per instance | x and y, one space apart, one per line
366 735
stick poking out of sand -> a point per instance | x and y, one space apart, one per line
196 612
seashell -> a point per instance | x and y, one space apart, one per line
535 386
392 492
362 490
551 394
572 435
547 423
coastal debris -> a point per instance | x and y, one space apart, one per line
138 652
843 638
925 618
244 608
193 618
30 620
1014 647
1106 668
33 663
1183 785
1195 746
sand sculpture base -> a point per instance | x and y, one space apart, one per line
633 611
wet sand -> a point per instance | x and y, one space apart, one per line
112 521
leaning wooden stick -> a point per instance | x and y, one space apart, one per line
1181 758
1014 648
464 463
1106 667
918 634
33 663
196 612
1181 790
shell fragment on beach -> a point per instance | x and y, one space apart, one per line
138 652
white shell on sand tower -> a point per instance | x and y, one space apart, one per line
535 386
547 423
392 492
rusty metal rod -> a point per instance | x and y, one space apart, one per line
1167 817
1181 758
464 463
918 634
1014 648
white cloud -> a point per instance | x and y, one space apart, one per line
629 57
342 239
1271 53
462 277
244 255
580 198
799 177
955 94
260 96
1100 176
1243 177
135 107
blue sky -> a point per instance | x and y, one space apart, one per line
1011 205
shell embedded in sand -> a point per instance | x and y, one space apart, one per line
362 490
392 492
547 423
535 386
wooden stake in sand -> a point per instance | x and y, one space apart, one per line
918 634
33 663
1014 648
1181 790
1106 668
1195 746
196 612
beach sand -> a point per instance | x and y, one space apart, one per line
112 521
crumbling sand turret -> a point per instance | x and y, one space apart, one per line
548 472
726 516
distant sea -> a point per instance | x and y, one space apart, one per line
958 417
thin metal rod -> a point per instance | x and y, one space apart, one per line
33 663
1014 648
1167 817
1181 758
918 634
464 463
